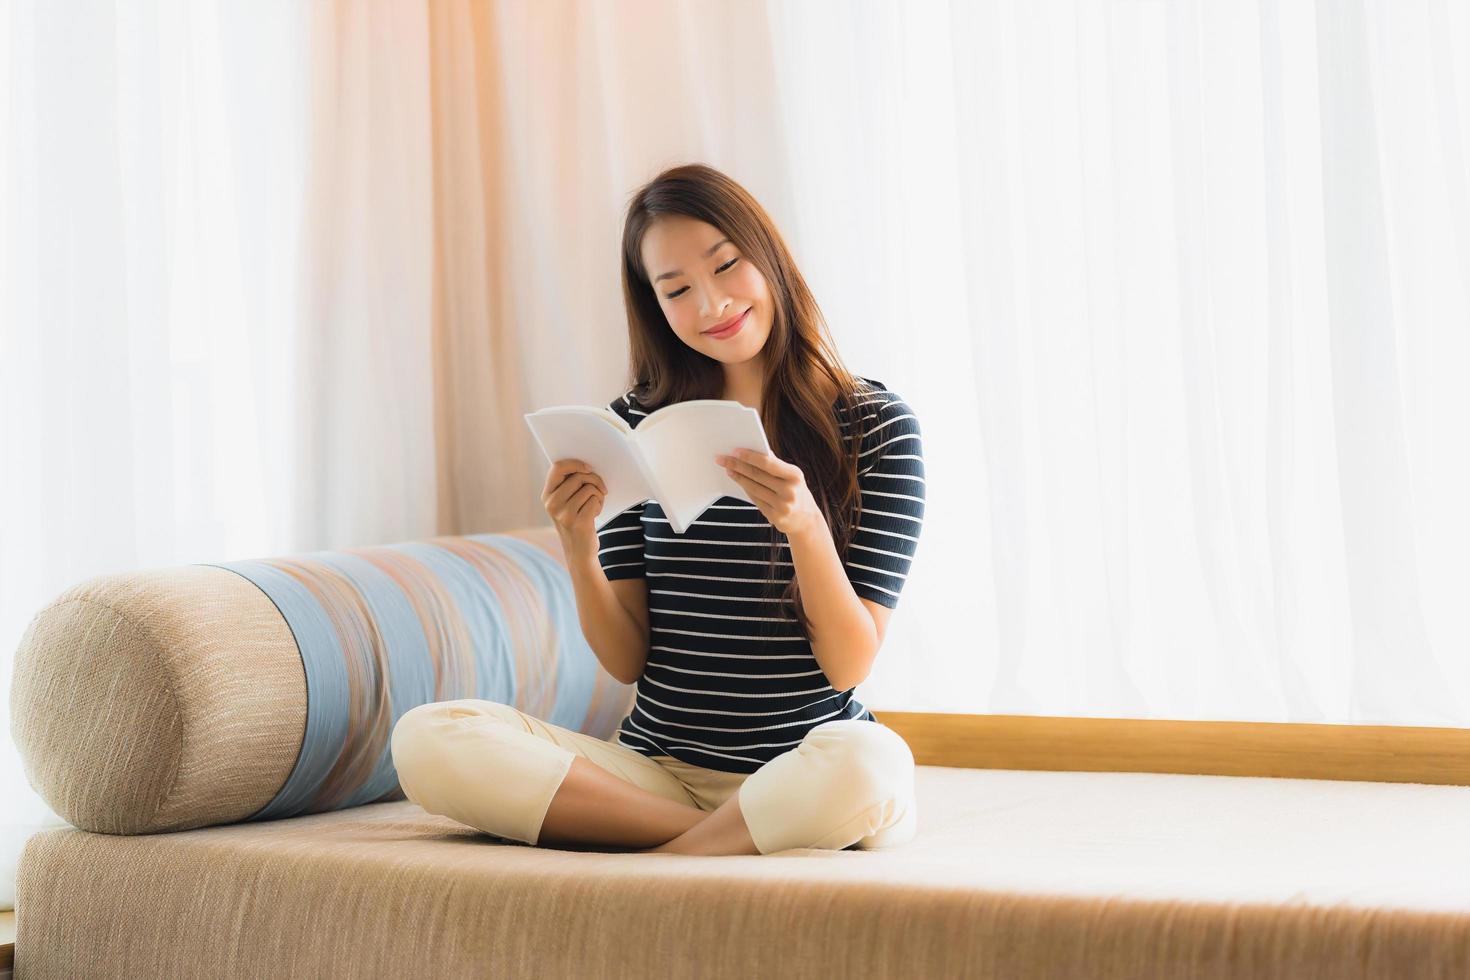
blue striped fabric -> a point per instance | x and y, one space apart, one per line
384 629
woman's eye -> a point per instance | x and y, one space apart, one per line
679 292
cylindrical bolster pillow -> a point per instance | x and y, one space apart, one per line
206 694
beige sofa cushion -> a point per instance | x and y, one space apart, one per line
1013 875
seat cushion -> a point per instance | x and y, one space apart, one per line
1013 874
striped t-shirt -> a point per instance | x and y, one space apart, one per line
730 684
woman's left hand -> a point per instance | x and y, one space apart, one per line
777 487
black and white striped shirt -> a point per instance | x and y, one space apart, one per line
730 684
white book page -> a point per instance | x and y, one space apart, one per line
679 443
596 436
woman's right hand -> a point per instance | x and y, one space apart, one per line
573 497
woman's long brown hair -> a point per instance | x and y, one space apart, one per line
805 379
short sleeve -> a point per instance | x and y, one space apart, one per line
891 477
620 542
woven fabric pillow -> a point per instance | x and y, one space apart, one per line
207 694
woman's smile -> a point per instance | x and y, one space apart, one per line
723 333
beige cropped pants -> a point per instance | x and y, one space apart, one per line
496 768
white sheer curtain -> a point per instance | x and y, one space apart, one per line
214 282
1181 294
1179 291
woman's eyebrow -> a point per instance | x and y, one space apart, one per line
679 272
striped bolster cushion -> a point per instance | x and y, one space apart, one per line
207 694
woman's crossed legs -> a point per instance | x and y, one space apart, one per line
507 773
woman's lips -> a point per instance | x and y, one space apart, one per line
731 330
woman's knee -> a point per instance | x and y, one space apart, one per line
844 782
416 737
474 761
867 754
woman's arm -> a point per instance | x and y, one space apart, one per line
848 604
615 632
844 626
846 629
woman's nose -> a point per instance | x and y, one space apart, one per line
715 305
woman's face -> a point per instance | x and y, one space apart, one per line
703 281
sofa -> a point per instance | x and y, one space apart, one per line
217 737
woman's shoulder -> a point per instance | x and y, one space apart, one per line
882 415
874 398
628 406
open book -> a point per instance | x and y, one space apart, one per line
669 457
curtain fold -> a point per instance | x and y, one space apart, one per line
363 392
483 460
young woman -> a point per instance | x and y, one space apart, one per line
746 634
